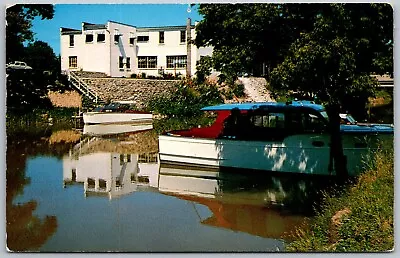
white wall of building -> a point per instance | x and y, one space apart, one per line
122 48
104 56
110 167
171 47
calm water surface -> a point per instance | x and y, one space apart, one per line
70 192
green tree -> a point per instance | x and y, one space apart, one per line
19 24
325 50
41 57
334 62
27 89
251 37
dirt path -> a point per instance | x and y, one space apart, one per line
255 89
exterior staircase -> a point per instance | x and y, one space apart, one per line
83 87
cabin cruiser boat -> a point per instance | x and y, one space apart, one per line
115 113
279 137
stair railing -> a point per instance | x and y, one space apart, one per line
82 86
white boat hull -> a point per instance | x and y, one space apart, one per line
113 117
296 154
109 129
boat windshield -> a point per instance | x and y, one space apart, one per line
351 119
325 115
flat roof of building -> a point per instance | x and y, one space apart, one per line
162 28
91 26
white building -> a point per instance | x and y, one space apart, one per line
120 50
111 174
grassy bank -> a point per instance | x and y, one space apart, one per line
38 120
359 219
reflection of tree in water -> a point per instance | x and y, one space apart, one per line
24 230
295 193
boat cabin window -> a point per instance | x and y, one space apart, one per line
264 125
304 122
257 125
271 120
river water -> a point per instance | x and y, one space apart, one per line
70 192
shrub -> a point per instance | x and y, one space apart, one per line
359 219
238 90
168 76
134 75
186 100
143 76
178 123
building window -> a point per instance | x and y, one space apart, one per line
116 39
89 38
116 36
121 62
73 62
147 61
161 37
102 184
131 38
142 39
74 175
148 157
91 183
183 36
101 37
176 61
128 66
71 40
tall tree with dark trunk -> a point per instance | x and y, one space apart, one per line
334 62
325 50
27 89
19 27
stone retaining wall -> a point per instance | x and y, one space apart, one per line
140 91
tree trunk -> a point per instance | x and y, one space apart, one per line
337 159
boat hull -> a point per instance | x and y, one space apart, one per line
295 154
113 117
110 129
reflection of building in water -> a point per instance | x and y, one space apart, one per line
111 174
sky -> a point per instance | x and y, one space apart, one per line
140 15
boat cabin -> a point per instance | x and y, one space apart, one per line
268 121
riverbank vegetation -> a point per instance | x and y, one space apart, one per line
39 120
187 99
357 219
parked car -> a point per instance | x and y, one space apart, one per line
18 65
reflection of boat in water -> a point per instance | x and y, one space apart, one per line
279 137
253 203
115 113
111 174
109 129
292 191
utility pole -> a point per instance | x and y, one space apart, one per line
189 47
